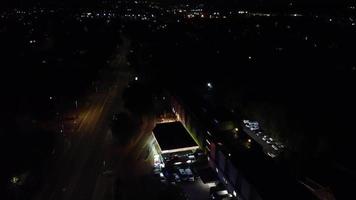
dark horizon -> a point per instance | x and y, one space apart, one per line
243 3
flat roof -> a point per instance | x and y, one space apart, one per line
173 135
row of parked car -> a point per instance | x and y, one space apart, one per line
177 175
177 168
255 128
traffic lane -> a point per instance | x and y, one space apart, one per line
84 178
62 169
91 167
57 181
87 143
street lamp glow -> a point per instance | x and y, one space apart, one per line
210 85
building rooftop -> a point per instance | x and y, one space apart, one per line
173 135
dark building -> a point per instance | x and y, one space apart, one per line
172 137
245 171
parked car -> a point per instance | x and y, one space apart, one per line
186 174
219 193
275 147
176 178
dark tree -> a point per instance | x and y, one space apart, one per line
138 99
123 128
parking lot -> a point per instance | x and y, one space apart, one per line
271 146
180 169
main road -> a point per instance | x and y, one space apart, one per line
77 173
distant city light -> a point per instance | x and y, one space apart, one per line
15 180
136 78
210 85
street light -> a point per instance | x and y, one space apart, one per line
209 85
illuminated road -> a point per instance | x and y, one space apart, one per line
77 173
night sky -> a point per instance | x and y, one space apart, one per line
14 3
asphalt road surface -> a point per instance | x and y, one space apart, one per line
77 173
